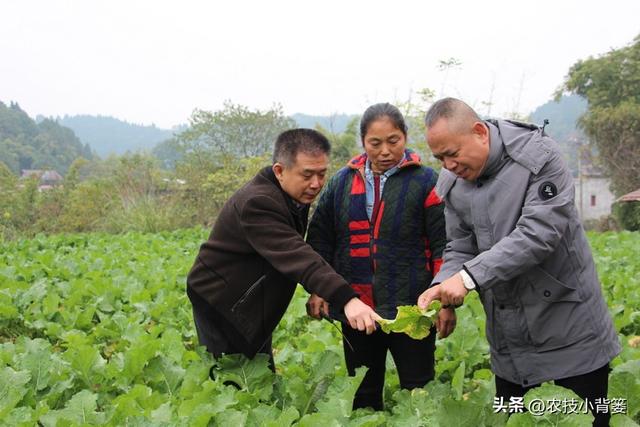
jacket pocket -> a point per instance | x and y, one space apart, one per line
550 289
249 310
555 313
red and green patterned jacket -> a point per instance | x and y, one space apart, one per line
391 262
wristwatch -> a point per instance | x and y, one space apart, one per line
468 282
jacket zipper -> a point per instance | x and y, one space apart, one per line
248 292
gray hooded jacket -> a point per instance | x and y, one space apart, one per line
516 231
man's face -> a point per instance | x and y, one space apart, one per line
304 179
384 144
463 153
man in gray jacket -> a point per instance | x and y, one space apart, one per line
515 237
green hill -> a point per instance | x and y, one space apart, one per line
25 144
108 135
563 125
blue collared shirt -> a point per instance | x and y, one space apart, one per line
369 183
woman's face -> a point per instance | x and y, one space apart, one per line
384 144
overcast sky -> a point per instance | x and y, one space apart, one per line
156 61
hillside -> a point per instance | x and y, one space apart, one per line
25 144
335 123
108 135
563 125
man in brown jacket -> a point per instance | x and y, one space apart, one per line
245 274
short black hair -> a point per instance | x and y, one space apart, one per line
448 108
294 141
377 111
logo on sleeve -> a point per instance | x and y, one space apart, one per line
547 190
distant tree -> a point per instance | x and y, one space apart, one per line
414 109
344 145
611 84
168 153
235 130
76 173
25 144
14 122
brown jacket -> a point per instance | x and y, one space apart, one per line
247 271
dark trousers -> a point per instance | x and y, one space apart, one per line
589 386
211 334
414 360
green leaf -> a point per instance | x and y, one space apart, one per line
624 382
270 416
81 409
231 417
412 320
374 420
87 362
218 399
338 400
162 414
129 405
164 374
460 413
542 395
620 420
458 381
36 358
12 388
252 375
318 420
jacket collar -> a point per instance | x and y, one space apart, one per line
497 155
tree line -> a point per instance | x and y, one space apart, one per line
185 180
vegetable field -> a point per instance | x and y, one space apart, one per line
96 329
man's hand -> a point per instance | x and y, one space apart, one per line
361 316
316 306
450 292
446 322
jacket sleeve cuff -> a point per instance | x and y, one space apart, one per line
343 295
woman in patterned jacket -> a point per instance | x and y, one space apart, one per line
380 224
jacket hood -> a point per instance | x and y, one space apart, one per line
516 137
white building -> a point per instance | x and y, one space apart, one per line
593 196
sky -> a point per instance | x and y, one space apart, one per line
154 62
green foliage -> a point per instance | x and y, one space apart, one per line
344 145
220 184
414 110
412 320
619 272
27 145
548 416
96 329
625 380
611 86
233 131
628 215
